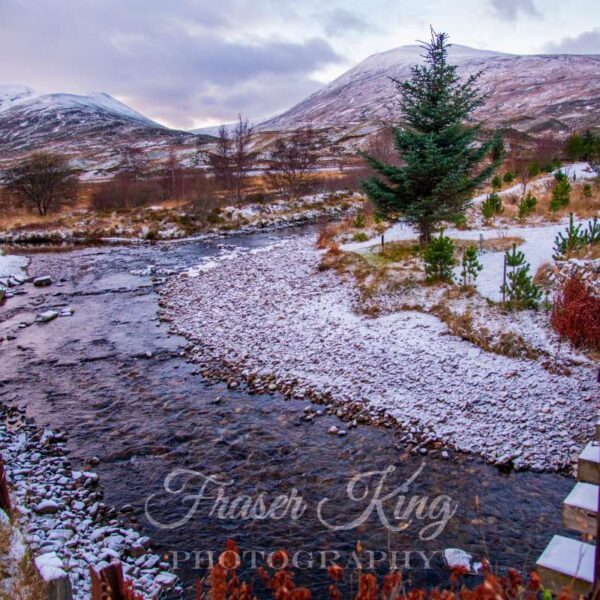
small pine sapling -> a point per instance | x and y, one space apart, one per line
496 182
439 259
470 266
574 239
587 190
492 206
526 205
561 193
518 286
508 177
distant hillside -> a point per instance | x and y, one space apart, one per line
533 94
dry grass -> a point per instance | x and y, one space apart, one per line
462 325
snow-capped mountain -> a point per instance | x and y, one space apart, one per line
93 128
533 94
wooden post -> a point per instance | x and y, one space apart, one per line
481 242
596 589
4 495
504 281
108 582
382 244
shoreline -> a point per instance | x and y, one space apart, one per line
59 510
281 325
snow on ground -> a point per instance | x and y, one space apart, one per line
537 247
279 315
12 265
580 170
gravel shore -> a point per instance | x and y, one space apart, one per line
272 319
60 512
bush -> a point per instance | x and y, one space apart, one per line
360 236
576 238
576 315
439 259
527 205
587 190
358 221
561 194
518 287
496 182
508 177
122 192
491 206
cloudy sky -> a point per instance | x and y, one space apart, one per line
194 63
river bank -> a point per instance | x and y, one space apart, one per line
129 393
280 323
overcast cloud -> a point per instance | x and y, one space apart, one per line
189 63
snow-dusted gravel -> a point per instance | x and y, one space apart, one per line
273 317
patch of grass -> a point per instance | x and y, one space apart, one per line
393 252
462 325
361 236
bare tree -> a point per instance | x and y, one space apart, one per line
244 158
292 160
233 157
44 180
220 160
134 163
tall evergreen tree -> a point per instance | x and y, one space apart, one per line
440 153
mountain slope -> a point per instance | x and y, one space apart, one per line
93 129
534 94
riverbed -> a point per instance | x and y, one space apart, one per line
120 384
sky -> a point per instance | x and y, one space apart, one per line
198 63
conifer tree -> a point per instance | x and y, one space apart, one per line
440 154
439 259
470 266
519 287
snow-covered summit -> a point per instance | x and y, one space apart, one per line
10 95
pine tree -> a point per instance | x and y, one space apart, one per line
440 154
519 287
439 258
470 266
561 194
527 205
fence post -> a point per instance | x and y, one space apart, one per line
108 583
4 495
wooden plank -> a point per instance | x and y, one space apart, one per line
5 504
588 465
579 509
567 562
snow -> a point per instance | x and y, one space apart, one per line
583 495
11 95
537 247
12 265
279 316
570 557
50 566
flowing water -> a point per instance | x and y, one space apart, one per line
112 376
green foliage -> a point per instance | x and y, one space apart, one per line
496 182
360 236
491 206
508 177
576 238
359 221
534 169
439 259
582 147
587 190
527 205
441 155
470 266
519 289
561 193
460 222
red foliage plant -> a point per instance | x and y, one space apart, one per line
576 314
224 584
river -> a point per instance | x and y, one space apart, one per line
114 378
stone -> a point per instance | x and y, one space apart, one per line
42 281
47 507
47 315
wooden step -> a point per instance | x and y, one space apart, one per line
598 430
567 562
588 465
579 509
